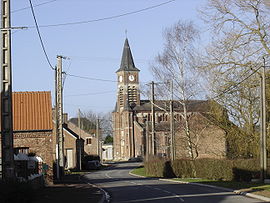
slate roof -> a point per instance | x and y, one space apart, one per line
192 105
127 62
32 111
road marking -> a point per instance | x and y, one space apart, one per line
107 175
173 195
149 199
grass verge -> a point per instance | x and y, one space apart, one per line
255 188
139 171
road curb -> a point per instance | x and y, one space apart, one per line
132 174
259 197
105 195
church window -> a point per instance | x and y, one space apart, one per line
121 97
132 94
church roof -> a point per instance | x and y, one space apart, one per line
160 105
127 62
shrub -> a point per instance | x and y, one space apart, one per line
214 169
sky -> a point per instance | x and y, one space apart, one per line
93 49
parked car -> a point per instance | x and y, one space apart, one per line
136 159
93 165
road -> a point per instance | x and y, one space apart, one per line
123 187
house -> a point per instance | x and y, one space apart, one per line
132 122
34 130
33 126
90 139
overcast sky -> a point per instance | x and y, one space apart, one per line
94 48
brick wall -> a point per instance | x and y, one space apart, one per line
40 143
89 149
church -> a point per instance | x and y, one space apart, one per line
132 121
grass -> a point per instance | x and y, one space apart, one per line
255 188
139 171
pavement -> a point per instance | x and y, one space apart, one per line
71 189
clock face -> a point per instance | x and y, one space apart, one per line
131 77
120 78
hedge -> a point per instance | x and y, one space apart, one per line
214 169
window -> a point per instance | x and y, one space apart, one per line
21 150
88 141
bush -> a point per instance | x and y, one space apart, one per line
155 167
214 169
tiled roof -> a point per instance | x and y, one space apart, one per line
32 111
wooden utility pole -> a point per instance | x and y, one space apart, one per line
59 116
153 117
8 168
172 143
263 157
80 148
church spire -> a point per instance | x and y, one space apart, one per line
127 63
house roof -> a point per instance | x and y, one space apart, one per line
32 111
127 62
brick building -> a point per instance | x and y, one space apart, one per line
131 115
90 139
33 129
33 126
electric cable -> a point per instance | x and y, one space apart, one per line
21 9
88 78
105 18
39 35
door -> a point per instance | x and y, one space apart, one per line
70 158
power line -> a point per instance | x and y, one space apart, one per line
106 18
235 85
39 35
21 9
88 78
93 93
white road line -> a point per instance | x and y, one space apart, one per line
155 188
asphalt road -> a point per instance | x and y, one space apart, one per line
123 187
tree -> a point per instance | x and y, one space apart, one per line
176 63
89 121
240 40
108 139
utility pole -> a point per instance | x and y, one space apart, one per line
147 141
98 138
59 117
8 167
172 144
80 149
263 157
153 117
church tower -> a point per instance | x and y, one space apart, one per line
128 96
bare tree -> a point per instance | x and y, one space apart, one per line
176 63
89 120
240 39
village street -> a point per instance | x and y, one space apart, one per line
120 187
